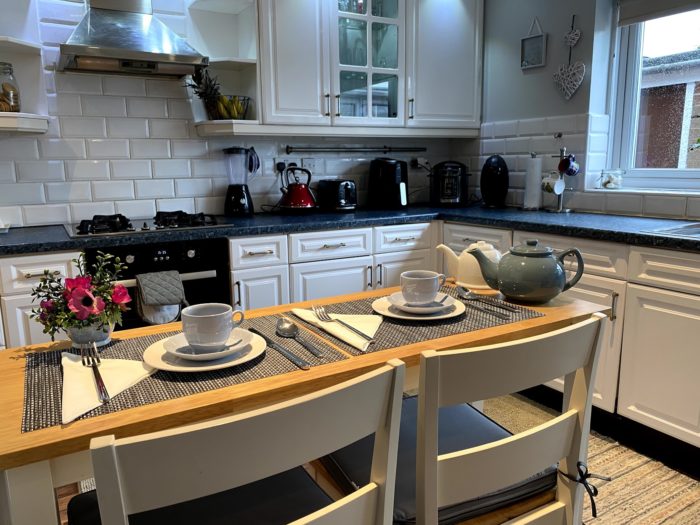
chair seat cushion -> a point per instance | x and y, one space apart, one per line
460 427
275 500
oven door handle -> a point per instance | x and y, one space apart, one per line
191 276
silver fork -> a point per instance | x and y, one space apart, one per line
91 359
322 315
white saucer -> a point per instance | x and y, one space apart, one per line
251 347
397 299
177 345
384 307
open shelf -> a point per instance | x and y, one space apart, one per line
15 45
23 122
232 64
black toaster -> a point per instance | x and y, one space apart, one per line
336 195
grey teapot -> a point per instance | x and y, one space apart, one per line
529 273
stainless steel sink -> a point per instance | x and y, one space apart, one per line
689 231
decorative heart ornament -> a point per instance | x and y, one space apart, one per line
569 78
571 38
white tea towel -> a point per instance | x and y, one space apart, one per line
80 390
367 324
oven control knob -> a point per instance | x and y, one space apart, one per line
191 254
130 259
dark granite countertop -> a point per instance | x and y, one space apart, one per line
616 228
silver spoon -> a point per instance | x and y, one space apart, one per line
287 328
468 295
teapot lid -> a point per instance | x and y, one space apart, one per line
531 249
482 245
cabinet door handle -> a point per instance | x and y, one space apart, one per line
404 239
371 276
327 96
237 284
331 246
380 274
255 254
337 105
411 102
40 274
613 306
467 239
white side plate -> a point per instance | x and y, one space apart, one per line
384 307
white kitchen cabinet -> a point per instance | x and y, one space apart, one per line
20 329
389 266
403 237
443 73
257 251
314 280
659 384
460 236
260 287
335 244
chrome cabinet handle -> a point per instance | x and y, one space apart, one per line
330 246
371 276
404 239
237 284
411 102
40 274
255 254
613 314
380 274
467 239
337 105
327 96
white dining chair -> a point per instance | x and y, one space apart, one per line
247 468
456 464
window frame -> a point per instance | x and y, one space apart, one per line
624 124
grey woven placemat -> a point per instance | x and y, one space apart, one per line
43 379
397 332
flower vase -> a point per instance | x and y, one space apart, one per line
81 335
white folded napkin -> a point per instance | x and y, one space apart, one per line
80 390
368 324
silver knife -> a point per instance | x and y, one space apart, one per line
301 363
500 315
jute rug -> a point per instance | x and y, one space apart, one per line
643 491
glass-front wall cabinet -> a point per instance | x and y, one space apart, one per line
368 57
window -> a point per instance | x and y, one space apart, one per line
657 118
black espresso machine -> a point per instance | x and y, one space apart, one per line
448 184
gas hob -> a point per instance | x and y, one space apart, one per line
118 224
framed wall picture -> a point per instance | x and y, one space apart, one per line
533 47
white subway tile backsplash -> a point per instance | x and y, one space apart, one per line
40 171
86 210
518 145
532 126
171 168
664 206
565 124
180 108
7 171
505 128
625 203
134 128
150 149
598 123
592 202
193 187
169 129
112 190
103 106
211 205
166 88
22 193
151 189
141 209
18 149
186 205
108 148
83 127
208 168
123 85
68 104
62 148
46 214
486 130
68 191
87 169
219 186
693 208
146 107
597 142
11 216
493 146
189 148
78 83
131 169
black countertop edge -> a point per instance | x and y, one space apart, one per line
636 231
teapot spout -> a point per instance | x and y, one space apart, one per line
451 258
489 268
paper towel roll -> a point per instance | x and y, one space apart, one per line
533 184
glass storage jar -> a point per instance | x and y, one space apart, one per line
9 91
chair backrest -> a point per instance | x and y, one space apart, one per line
156 470
457 376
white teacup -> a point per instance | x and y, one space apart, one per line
207 326
421 286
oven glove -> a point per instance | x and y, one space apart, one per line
160 296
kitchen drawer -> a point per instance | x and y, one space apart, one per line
460 236
21 274
402 237
254 252
667 269
608 259
336 244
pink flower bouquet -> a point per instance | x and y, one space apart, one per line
86 300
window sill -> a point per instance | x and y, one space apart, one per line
646 191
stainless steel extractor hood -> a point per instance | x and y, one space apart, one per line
122 36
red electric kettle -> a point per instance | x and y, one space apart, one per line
296 195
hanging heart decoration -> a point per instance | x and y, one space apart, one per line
571 38
569 78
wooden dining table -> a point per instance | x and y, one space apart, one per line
33 464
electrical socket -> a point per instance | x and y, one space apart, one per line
312 164
286 160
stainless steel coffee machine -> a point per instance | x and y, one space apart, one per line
240 164
448 184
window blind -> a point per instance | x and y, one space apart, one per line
635 11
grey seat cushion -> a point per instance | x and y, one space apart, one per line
275 500
460 426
